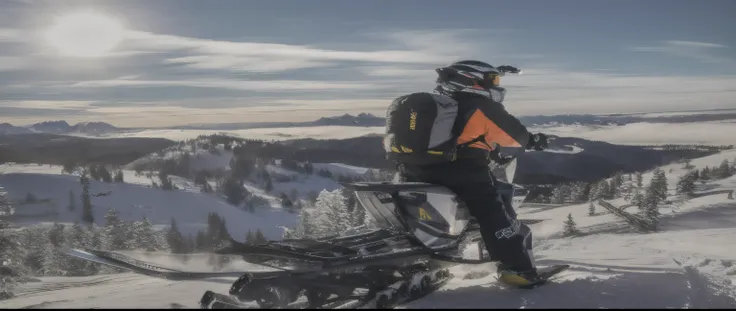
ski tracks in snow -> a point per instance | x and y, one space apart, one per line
592 287
125 290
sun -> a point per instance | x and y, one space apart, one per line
85 34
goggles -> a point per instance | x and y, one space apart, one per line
489 81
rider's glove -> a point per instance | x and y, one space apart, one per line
537 142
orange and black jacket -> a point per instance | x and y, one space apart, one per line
488 120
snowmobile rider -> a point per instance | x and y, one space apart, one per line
480 122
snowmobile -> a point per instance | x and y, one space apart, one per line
421 230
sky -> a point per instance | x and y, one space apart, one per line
175 62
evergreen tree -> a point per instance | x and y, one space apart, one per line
658 185
72 201
242 166
119 176
560 193
12 268
580 192
5 208
269 185
143 235
166 182
87 215
175 239
330 213
639 180
259 238
570 228
303 227
217 234
594 192
724 170
52 260
603 191
615 185
591 209
94 172
686 184
200 242
705 174
651 211
78 237
651 202
105 175
637 198
56 235
234 190
285 201
115 230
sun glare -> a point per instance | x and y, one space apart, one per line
85 34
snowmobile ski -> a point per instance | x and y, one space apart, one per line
124 262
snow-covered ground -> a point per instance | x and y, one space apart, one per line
612 267
341 169
132 200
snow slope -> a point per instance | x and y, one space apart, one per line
132 200
612 267
205 160
341 169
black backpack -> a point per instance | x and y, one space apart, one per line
422 129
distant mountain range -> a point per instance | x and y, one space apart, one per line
367 119
60 127
362 119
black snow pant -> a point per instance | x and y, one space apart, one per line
506 239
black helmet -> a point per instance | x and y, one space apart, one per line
473 76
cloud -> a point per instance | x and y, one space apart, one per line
212 81
10 35
261 86
12 63
275 57
545 91
46 104
399 72
701 51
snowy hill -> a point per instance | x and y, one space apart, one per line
613 266
215 157
132 199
